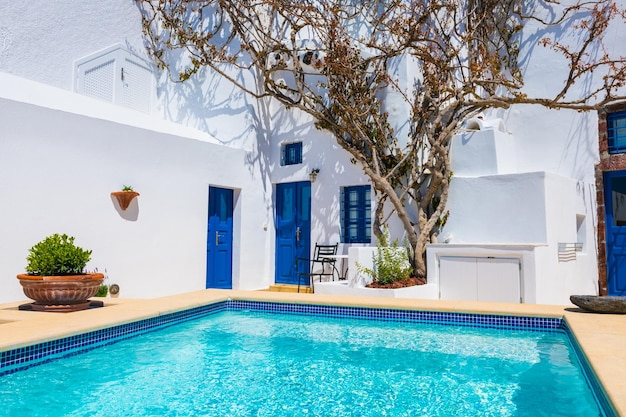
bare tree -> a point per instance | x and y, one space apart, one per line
331 60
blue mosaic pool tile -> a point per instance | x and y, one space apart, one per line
20 358
16 359
592 380
410 316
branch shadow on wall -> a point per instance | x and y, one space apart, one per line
213 104
576 145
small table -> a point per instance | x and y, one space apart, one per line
344 270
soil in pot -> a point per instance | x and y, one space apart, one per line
400 283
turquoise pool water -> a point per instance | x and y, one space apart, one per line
261 364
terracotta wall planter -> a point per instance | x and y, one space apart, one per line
60 293
124 197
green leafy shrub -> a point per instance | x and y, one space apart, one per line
57 255
103 290
391 262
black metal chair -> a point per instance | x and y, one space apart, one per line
320 266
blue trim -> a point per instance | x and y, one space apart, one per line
543 324
25 357
356 214
615 241
616 131
219 268
293 212
291 153
597 390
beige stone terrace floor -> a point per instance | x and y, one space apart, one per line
601 336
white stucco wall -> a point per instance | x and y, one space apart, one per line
41 41
524 216
497 209
58 167
563 142
565 200
489 151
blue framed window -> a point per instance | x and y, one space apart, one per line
616 129
291 153
356 214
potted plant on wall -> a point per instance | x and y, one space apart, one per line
125 196
55 276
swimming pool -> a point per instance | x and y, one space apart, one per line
310 360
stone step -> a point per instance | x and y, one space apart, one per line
288 288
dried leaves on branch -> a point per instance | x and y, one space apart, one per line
334 60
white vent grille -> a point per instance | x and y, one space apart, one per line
116 76
567 251
98 81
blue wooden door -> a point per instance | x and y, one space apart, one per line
615 220
219 269
293 229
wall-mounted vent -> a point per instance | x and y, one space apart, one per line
567 251
136 90
117 76
98 81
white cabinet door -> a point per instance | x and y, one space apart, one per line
479 279
498 279
457 278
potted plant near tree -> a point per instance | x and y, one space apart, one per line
55 276
391 265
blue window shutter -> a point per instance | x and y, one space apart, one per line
299 153
356 214
616 130
291 153
367 215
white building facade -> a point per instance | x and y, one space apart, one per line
229 182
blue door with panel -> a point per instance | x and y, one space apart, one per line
615 221
219 269
293 229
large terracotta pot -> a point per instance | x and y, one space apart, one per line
60 293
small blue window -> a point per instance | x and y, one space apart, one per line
356 214
292 153
616 129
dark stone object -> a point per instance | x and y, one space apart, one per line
600 304
33 307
